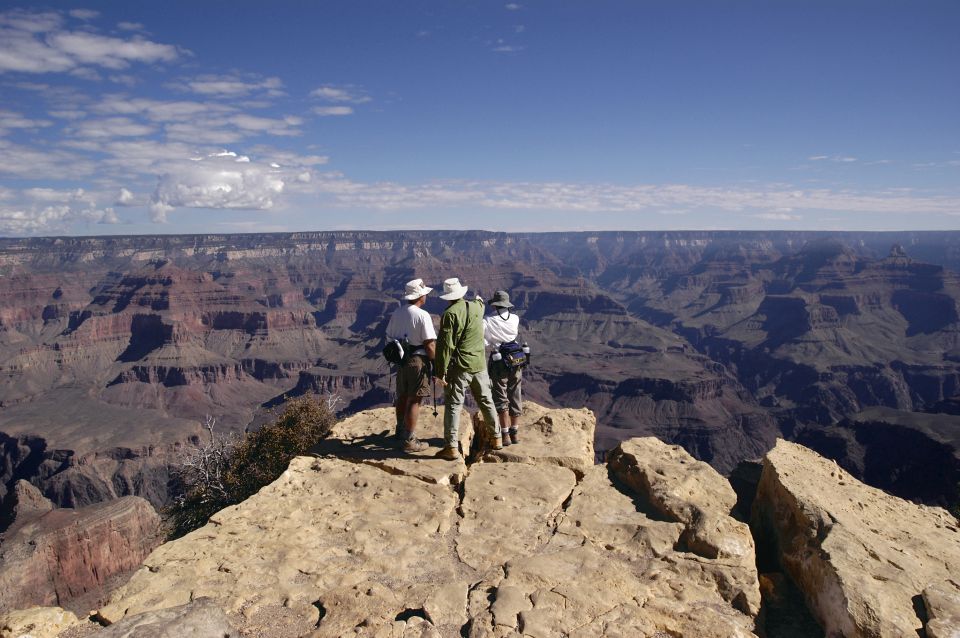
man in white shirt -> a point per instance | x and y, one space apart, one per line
503 326
414 325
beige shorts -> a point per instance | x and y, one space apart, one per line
413 378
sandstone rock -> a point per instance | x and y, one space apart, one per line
560 437
862 558
201 618
65 553
36 622
386 548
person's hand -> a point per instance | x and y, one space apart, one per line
443 383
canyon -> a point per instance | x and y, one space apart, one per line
114 349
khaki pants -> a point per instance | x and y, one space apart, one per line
453 395
506 385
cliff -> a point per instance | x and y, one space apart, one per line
536 540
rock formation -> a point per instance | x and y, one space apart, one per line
869 564
361 540
718 342
36 622
56 555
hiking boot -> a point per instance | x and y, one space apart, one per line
450 454
505 438
497 443
414 445
513 436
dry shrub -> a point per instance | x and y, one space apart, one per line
227 470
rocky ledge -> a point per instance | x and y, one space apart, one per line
536 541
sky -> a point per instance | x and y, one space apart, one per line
215 116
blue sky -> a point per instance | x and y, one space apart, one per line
245 116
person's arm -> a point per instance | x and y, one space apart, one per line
444 345
430 345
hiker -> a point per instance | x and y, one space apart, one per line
413 327
460 364
507 360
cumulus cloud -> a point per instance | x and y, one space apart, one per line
39 42
345 94
130 26
222 180
111 127
38 219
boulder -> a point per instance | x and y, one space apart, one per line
37 622
386 547
558 437
21 503
867 562
201 618
65 553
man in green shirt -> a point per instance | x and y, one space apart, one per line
460 364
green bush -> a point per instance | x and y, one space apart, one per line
228 470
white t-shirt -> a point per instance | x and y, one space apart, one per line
497 329
413 324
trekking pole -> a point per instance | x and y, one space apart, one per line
434 379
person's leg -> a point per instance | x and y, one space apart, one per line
514 384
480 388
453 395
498 388
412 415
400 431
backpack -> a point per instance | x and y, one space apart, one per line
397 351
513 356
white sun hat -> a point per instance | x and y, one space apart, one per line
453 289
415 289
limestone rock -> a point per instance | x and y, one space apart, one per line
66 553
942 603
691 492
509 510
23 502
201 618
365 438
862 558
560 437
385 547
36 622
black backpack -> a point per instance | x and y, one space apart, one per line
397 351
513 356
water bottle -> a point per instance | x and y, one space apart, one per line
526 353
496 356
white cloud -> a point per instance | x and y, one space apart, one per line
84 14
785 217
130 26
325 111
11 120
230 86
50 219
284 126
507 48
512 6
32 42
36 163
832 158
111 127
222 180
346 94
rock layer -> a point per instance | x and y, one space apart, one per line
62 554
866 561
384 548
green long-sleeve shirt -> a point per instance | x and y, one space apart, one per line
460 350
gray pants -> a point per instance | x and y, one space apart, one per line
506 385
453 395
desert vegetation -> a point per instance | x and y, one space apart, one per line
226 468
